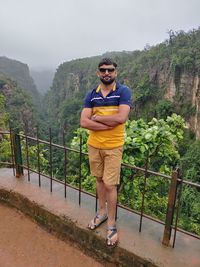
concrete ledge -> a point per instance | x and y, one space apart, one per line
68 220
67 229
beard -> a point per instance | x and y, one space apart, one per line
107 82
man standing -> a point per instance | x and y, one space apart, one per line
105 112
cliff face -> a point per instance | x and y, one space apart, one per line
186 93
194 121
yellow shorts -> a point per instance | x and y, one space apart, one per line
106 164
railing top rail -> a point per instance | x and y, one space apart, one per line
4 132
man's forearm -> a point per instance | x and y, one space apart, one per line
94 125
110 120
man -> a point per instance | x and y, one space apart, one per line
105 112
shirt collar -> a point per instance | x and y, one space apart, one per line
113 89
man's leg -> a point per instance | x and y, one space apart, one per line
102 212
111 178
96 168
111 196
101 193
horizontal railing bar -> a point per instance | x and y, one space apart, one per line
4 132
186 232
189 183
55 145
6 163
143 170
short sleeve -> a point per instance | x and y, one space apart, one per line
125 96
87 100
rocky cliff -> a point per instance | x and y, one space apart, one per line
19 72
186 96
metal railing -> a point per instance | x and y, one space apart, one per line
176 181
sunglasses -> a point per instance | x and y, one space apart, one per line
103 70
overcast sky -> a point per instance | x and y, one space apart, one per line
45 33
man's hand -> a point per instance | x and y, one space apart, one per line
93 117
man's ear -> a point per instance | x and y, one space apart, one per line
97 73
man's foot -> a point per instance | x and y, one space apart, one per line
97 221
112 236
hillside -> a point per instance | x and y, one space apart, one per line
19 72
163 78
16 106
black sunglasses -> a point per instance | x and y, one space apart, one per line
103 70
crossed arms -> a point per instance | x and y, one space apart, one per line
103 122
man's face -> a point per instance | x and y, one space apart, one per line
107 74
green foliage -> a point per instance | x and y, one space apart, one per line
190 207
191 162
31 150
5 149
70 113
145 90
164 108
17 106
3 113
145 142
155 201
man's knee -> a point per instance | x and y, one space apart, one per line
110 188
99 180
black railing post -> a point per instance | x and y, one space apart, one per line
50 160
12 149
80 168
18 155
144 192
65 163
170 209
180 184
38 156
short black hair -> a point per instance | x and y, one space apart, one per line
107 61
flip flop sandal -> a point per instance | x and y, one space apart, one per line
94 224
109 242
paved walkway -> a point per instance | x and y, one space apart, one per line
146 245
24 244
